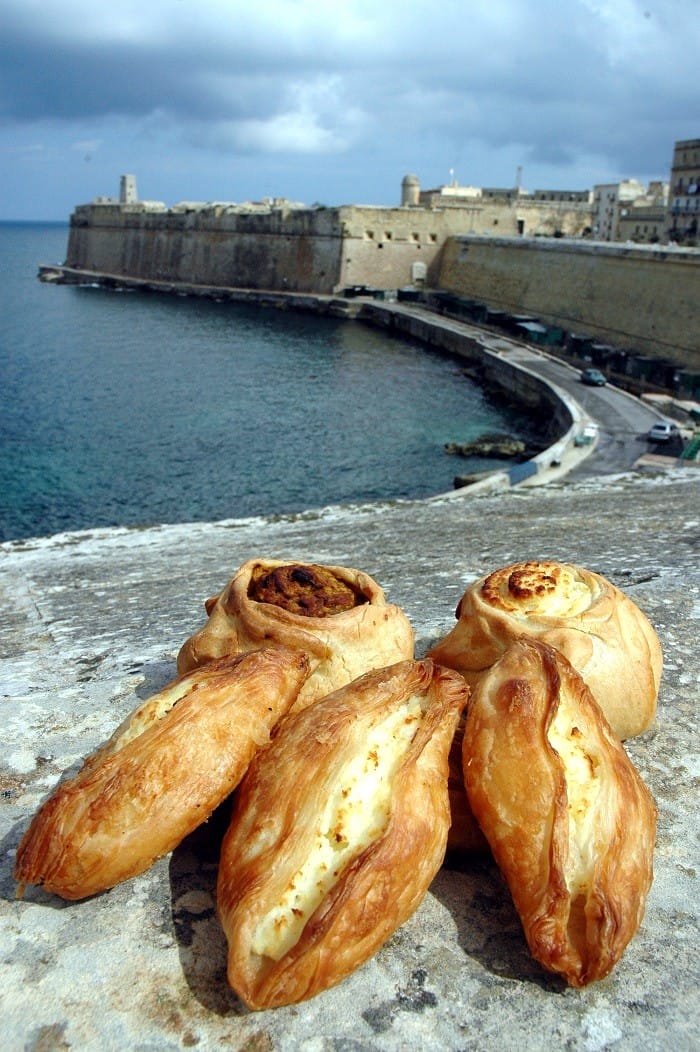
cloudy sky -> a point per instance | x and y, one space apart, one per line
334 101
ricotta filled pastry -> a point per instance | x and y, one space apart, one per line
602 632
339 827
160 775
568 818
338 616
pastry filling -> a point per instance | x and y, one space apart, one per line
309 590
149 713
356 813
581 766
550 589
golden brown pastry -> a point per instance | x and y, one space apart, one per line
569 820
339 827
161 774
336 615
465 834
595 625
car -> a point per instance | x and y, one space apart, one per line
662 431
593 378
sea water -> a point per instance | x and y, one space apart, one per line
133 408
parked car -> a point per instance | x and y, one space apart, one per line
662 431
593 378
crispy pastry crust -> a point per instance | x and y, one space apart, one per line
341 645
465 836
160 775
569 820
596 626
377 750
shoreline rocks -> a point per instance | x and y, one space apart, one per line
489 445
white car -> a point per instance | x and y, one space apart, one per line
662 431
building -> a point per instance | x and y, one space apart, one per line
609 202
684 194
642 298
643 220
507 211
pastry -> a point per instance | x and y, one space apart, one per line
595 625
161 774
465 836
338 616
568 818
339 827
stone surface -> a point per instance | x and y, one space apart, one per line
91 626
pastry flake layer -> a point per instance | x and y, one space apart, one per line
568 818
339 827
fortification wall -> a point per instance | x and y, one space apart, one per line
639 298
298 250
301 250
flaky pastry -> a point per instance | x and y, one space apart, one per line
160 775
336 615
568 818
465 836
339 827
605 636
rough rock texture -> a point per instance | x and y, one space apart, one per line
91 625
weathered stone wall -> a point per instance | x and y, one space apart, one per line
309 250
299 250
641 298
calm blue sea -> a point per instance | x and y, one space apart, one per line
133 408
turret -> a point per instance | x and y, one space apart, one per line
127 190
410 190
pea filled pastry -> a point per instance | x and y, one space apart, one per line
338 616
339 827
604 635
568 818
160 775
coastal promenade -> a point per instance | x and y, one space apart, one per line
621 420
92 623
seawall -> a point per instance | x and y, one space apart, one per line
94 621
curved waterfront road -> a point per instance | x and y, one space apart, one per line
622 419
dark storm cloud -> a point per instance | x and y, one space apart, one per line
578 90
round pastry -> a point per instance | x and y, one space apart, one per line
161 774
604 635
338 616
569 820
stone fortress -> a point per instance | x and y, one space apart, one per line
551 257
